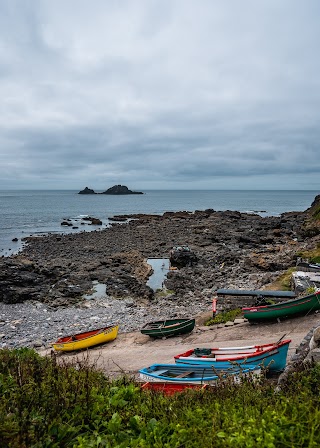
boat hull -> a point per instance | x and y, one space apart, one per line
173 373
167 328
273 357
171 388
86 340
300 306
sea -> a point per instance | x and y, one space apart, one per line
26 213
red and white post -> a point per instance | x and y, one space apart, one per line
214 306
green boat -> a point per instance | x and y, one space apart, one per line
168 327
299 306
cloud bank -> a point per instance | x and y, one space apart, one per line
159 94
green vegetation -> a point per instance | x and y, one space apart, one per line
312 223
316 213
224 316
285 279
164 292
312 255
44 404
283 282
310 290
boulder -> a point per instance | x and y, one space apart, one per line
181 256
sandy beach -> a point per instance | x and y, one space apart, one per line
133 351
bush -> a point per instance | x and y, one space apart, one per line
224 316
44 404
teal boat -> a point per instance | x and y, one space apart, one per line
295 307
272 356
179 373
168 327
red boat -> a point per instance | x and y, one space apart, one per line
171 388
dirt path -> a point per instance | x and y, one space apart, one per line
133 351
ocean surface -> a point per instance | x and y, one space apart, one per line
25 213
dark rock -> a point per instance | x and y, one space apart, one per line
118 219
119 190
94 221
233 249
87 191
181 256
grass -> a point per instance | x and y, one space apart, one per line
224 316
44 404
283 282
312 255
164 292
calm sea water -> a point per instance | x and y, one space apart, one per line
24 213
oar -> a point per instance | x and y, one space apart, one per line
278 342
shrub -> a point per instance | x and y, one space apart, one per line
225 316
49 404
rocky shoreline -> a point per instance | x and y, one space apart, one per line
42 288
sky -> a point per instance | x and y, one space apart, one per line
160 94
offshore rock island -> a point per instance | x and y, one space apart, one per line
233 250
115 190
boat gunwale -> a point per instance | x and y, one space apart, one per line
284 305
250 368
98 332
181 321
169 330
238 357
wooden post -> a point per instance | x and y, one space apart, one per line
214 306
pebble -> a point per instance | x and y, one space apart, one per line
37 325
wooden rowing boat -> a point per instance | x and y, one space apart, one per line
295 307
171 388
169 327
271 356
179 373
87 339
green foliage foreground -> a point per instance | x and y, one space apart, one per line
44 404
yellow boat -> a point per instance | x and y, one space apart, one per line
87 339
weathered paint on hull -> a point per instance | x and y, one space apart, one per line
100 338
172 373
274 360
183 327
300 306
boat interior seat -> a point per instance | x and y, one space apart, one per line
184 374
162 372
227 357
234 352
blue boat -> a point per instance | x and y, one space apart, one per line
271 356
195 374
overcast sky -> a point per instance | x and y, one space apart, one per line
184 94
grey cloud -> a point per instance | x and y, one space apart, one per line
161 93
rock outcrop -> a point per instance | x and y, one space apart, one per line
87 191
115 190
234 250
119 190
312 224
181 256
